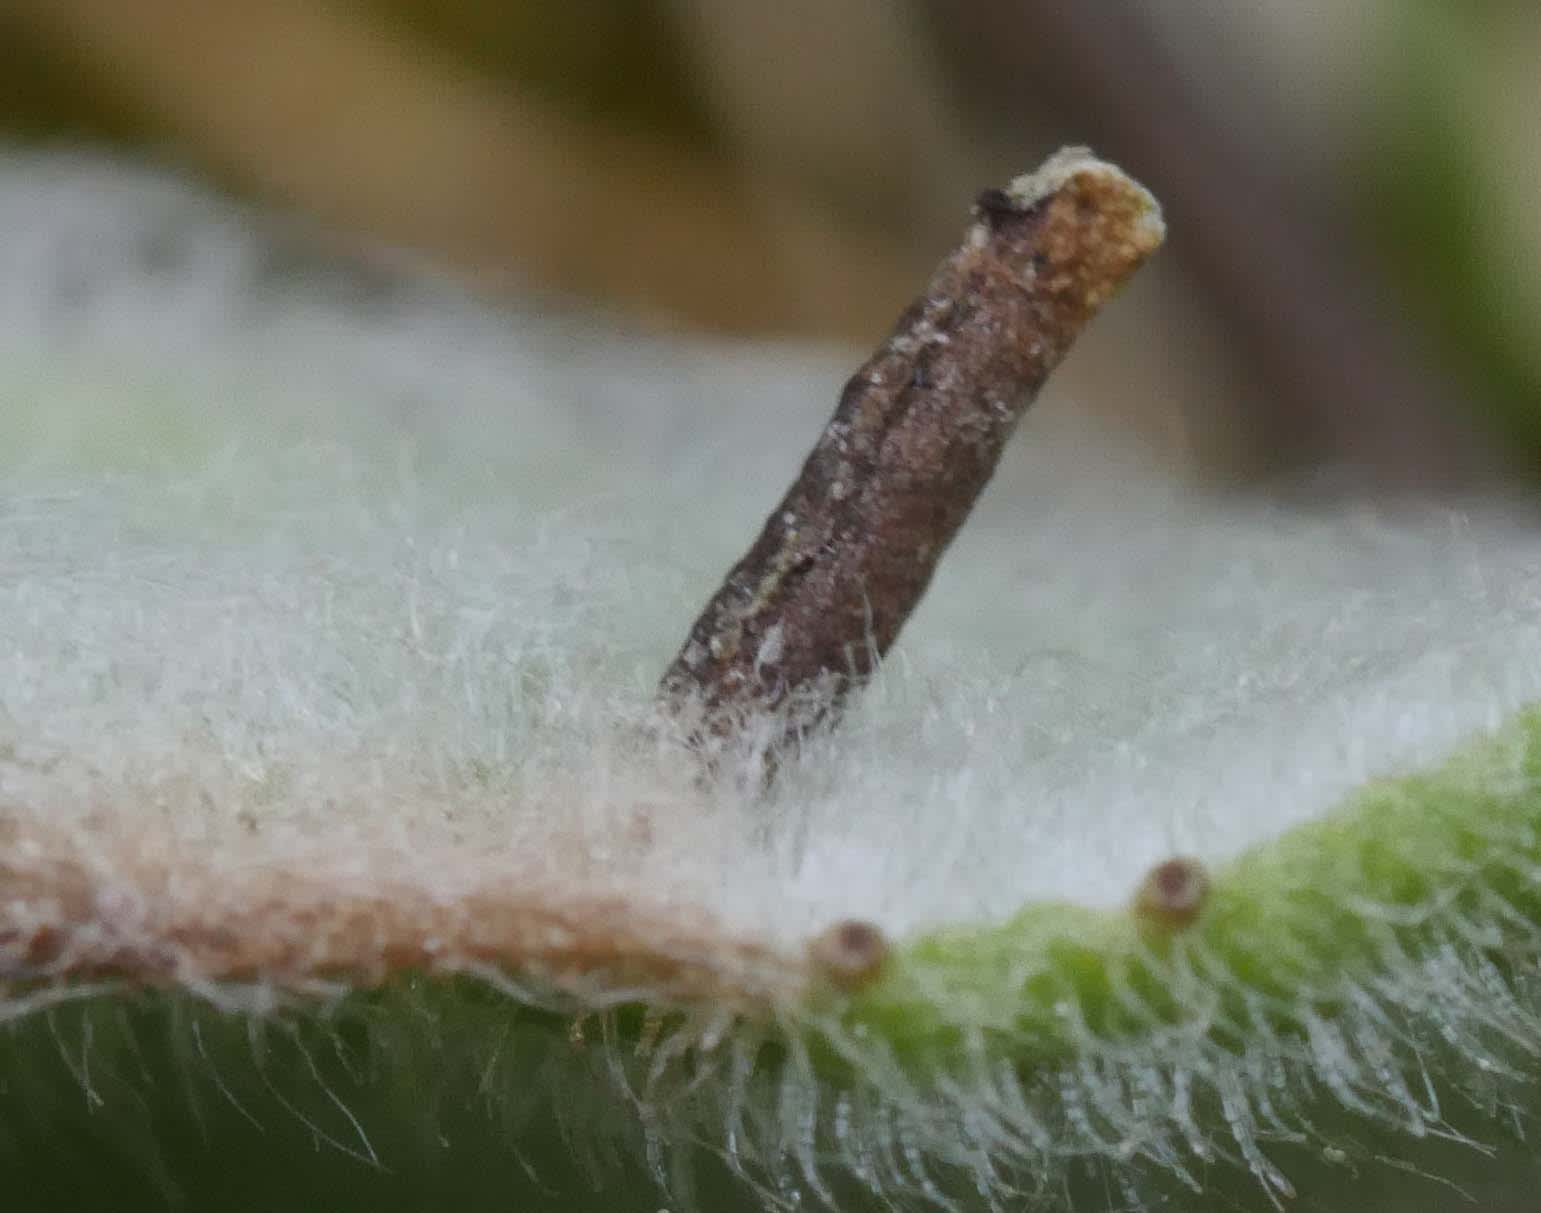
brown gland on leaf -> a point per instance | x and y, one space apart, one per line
850 954
1173 893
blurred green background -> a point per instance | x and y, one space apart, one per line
1355 265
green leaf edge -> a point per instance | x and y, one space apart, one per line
1289 927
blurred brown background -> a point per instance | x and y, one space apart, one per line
1355 264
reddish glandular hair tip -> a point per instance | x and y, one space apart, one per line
1173 893
850 954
